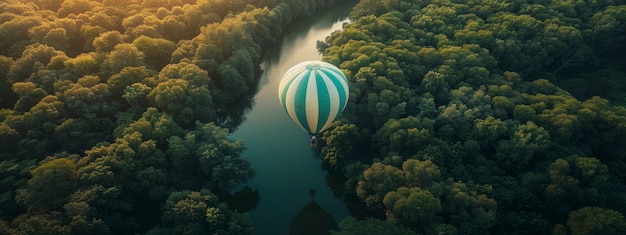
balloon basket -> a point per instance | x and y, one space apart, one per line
313 141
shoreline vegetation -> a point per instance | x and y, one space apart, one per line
464 117
115 115
482 117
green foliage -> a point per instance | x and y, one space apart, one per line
595 220
518 151
158 51
154 126
378 180
419 198
219 159
128 76
352 226
605 129
489 130
412 206
34 54
42 224
81 65
404 136
124 55
36 125
14 174
15 30
50 185
126 91
487 107
184 94
422 174
575 182
339 145
106 41
88 96
5 229
74 7
191 212
467 210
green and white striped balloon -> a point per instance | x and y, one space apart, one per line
313 93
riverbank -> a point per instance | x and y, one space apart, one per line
287 169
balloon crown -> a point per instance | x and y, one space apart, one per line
313 66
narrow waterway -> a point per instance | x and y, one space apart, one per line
288 173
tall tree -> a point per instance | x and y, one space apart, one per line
194 212
595 220
52 182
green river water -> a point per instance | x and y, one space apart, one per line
287 169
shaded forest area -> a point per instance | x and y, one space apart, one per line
115 115
482 117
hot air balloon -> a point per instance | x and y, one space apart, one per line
313 93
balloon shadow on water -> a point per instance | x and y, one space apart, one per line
312 219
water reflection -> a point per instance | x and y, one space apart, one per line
312 219
286 166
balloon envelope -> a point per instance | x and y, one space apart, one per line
313 93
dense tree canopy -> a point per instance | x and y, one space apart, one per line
113 114
476 117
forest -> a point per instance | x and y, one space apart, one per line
482 117
115 115
464 117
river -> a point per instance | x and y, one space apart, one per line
288 173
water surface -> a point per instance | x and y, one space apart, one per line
287 169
